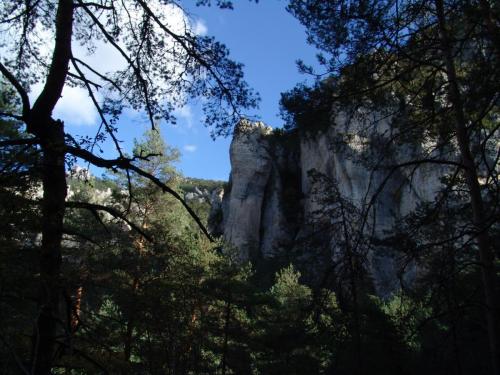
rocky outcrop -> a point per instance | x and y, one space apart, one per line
251 204
347 154
198 195
271 204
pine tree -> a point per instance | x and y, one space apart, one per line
431 67
163 67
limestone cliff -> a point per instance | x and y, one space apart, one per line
271 203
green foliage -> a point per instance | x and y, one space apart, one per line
189 184
200 205
19 226
308 108
297 339
287 289
406 314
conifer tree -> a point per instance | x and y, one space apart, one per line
162 67
432 66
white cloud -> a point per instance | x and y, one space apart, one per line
75 106
105 58
200 28
185 113
190 148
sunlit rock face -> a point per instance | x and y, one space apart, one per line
251 166
271 204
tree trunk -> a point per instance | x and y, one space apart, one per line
139 244
226 336
54 196
129 332
76 309
39 122
486 254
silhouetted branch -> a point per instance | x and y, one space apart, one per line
393 170
98 108
126 164
102 76
112 211
191 52
19 88
71 232
19 142
137 71
95 5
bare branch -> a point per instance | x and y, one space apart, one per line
98 108
393 170
95 5
102 76
110 210
137 71
126 164
19 88
84 80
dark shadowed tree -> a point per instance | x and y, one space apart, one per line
432 65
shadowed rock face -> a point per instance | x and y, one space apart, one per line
270 203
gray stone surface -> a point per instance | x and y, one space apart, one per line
251 167
270 199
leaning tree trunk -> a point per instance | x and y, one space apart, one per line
486 253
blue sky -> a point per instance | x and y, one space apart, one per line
268 41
